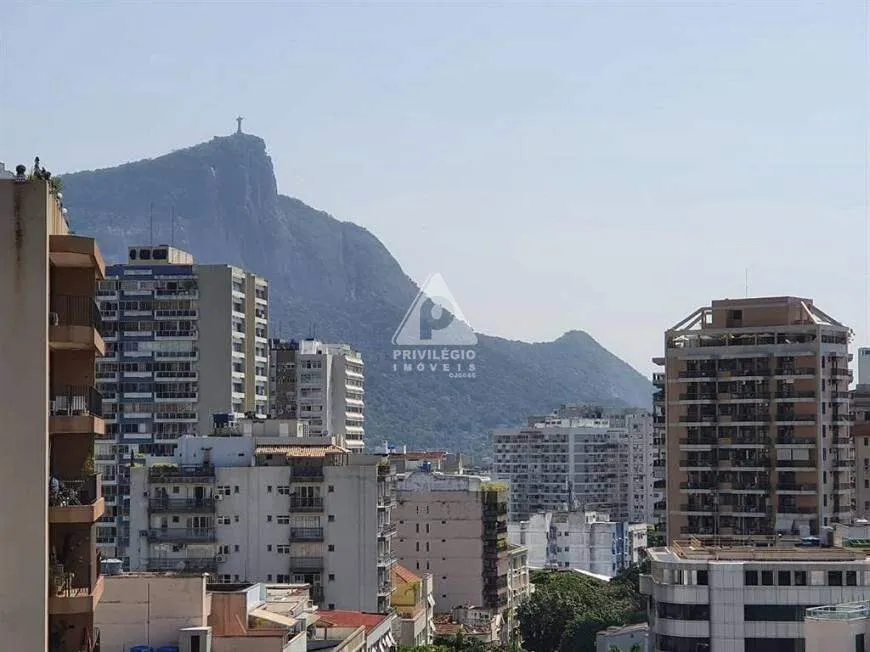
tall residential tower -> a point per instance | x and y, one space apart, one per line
757 416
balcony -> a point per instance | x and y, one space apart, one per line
388 530
385 589
182 564
75 324
76 501
307 474
76 410
386 559
306 534
306 504
180 505
306 564
170 474
188 535
72 593
68 250
794 488
386 501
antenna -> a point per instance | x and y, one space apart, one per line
747 282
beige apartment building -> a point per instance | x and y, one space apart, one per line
756 405
861 435
49 339
455 527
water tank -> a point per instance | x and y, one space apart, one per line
141 648
111 566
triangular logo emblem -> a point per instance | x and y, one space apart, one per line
434 319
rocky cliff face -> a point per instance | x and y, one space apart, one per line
339 279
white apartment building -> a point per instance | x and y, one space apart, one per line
183 342
642 492
322 384
276 508
587 541
745 599
558 463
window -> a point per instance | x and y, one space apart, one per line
427 546
783 578
283 549
683 611
236 489
774 612
702 578
331 518
283 490
835 578
269 577
750 578
331 548
268 547
268 518
283 519
859 642
851 578
417 528
427 528
418 546
236 518
330 489
332 577
269 489
800 578
223 520
767 578
331 606
236 547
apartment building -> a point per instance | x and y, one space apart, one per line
563 463
587 541
455 527
637 427
659 452
757 412
271 508
860 413
184 342
752 599
320 383
49 340
413 602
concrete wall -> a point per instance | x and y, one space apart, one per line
833 635
215 347
354 534
149 609
23 404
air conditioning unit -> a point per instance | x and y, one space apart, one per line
219 497
220 559
53 319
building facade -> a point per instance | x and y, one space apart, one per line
414 604
587 541
860 413
184 342
757 412
563 463
272 509
455 527
50 338
838 628
322 384
638 428
744 599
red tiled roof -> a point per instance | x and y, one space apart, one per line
404 575
350 619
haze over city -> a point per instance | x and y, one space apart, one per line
594 166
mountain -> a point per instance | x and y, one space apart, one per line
338 278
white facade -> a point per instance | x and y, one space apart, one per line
270 509
745 599
642 496
579 541
564 464
322 384
864 365
183 342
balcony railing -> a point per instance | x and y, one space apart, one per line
182 534
76 311
182 474
183 564
386 559
76 400
306 504
306 534
161 505
306 563
388 529
792 486
69 493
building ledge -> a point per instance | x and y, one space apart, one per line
76 601
77 251
77 424
87 514
76 338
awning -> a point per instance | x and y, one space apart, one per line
272 617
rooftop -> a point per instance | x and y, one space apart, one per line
415 456
300 451
337 618
403 575
695 550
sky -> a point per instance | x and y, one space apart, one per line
603 166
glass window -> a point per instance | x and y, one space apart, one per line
750 578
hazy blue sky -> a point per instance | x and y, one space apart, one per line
600 166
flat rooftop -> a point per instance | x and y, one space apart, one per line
698 551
